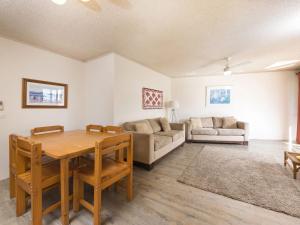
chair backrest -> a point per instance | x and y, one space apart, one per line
12 149
48 129
93 127
110 145
113 129
26 149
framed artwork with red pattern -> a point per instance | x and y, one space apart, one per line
152 99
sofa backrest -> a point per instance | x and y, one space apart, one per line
206 122
130 126
211 122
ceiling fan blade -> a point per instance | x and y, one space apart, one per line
92 5
240 64
125 4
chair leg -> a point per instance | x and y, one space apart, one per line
76 198
97 205
12 185
285 158
117 186
294 171
129 186
36 207
20 201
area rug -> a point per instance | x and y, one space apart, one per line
250 177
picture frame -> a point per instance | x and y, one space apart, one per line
44 94
152 99
218 95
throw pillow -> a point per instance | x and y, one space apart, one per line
229 123
196 123
207 122
143 128
155 125
218 122
165 124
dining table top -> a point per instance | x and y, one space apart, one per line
68 144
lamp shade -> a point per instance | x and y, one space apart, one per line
173 104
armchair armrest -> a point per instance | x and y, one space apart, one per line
177 126
244 126
143 147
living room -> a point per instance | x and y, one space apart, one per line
234 62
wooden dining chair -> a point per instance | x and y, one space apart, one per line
45 130
34 180
12 164
113 129
48 129
93 127
103 173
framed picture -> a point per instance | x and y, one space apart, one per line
218 95
44 94
152 99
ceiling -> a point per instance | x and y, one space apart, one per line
174 37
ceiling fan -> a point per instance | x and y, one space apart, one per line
91 4
227 71
95 6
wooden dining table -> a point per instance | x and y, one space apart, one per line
65 146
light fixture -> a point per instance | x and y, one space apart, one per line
282 64
85 0
227 71
173 105
59 2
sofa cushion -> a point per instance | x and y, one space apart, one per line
218 122
196 123
204 131
207 122
161 141
174 134
143 126
229 123
231 132
155 124
165 124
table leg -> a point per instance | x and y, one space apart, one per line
64 183
285 158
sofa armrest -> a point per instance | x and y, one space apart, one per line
244 126
188 130
143 147
177 126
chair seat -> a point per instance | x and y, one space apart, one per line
50 176
110 167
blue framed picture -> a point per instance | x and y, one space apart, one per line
218 95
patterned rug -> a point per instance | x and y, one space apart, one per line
250 177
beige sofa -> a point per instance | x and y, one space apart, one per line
151 146
217 129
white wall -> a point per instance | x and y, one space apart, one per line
19 61
109 90
266 100
130 78
99 90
